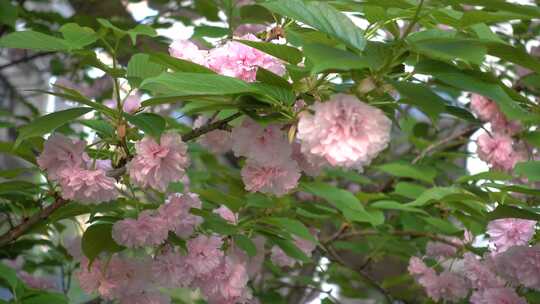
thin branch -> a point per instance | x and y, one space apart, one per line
411 233
28 223
444 141
413 21
25 59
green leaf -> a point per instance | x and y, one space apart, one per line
449 49
393 205
105 129
343 200
502 5
508 211
210 31
77 36
45 124
323 17
141 29
33 41
141 67
433 194
150 123
179 65
9 276
264 75
489 175
532 138
245 244
441 225
192 84
529 169
292 226
409 190
8 13
329 58
290 249
45 297
281 51
514 55
422 96
475 82
108 25
97 239
402 169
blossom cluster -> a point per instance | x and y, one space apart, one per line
491 279
499 149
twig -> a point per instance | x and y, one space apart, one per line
414 20
25 59
28 223
411 233
444 141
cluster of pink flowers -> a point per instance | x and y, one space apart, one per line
280 258
216 141
157 164
510 264
152 227
233 58
32 281
498 149
270 167
343 132
66 162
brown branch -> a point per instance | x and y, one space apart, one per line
25 59
444 141
411 233
28 223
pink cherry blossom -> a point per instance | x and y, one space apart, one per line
280 258
502 295
483 107
60 152
508 232
177 216
228 283
498 151
440 250
216 141
447 286
479 273
249 28
344 131
417 267
187 50
520 265
238 60
147 230
87 186
158 164
132 103
277 179
171 270
309 164
146 297
266 145
226 214
101 164
204 254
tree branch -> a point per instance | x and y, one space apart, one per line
444 141
28 223
25 59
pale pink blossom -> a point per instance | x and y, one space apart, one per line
280 258
171 270
508 232
204 254
101 164
309 164
228 283
187 50
498 151
216 141
238 60
520 265
177 216
87 186
74 247
147 230
484 108
502 295
226 214
132 103
277 179
447 286
266 145
38 282
501 124
417 267
480 274
158 164
255 263
344 131
440 250
60 152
